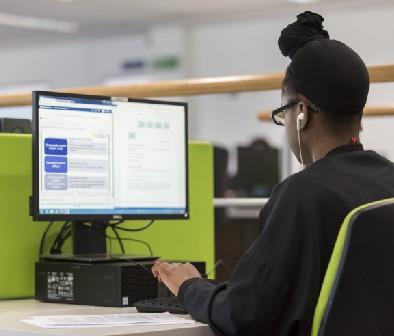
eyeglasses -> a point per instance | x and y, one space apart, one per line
278 115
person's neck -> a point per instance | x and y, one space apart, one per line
325 145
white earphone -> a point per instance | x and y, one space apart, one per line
300 118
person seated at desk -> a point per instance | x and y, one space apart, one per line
274 288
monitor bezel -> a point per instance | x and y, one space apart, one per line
96 217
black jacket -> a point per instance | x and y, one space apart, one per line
274 288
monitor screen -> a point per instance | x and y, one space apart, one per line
108 158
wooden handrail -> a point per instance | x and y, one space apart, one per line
379 111
190 87
173 88
369 111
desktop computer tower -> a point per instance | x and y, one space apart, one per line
111 284
104 283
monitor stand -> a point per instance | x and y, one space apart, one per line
89 246
89 238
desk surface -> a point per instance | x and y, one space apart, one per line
13 311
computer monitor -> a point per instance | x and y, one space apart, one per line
99 158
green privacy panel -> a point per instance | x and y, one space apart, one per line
19 236
191 239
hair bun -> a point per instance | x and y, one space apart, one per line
308 27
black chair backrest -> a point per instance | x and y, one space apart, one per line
362 298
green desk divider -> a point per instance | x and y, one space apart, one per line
191 239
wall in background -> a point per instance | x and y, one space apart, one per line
251 47
226 48
89 62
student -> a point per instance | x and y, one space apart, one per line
274 288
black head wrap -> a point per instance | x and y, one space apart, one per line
327 72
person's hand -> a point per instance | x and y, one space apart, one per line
174 275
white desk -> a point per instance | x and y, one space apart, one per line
13 311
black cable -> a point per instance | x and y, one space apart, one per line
141 265
65 233
58 237
116 223
58 249
134 230
129 239
61 237
141 242
149 270
114 229
110 242
117 227
43 237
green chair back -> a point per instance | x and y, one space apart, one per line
361 253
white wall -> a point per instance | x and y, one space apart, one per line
232 48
